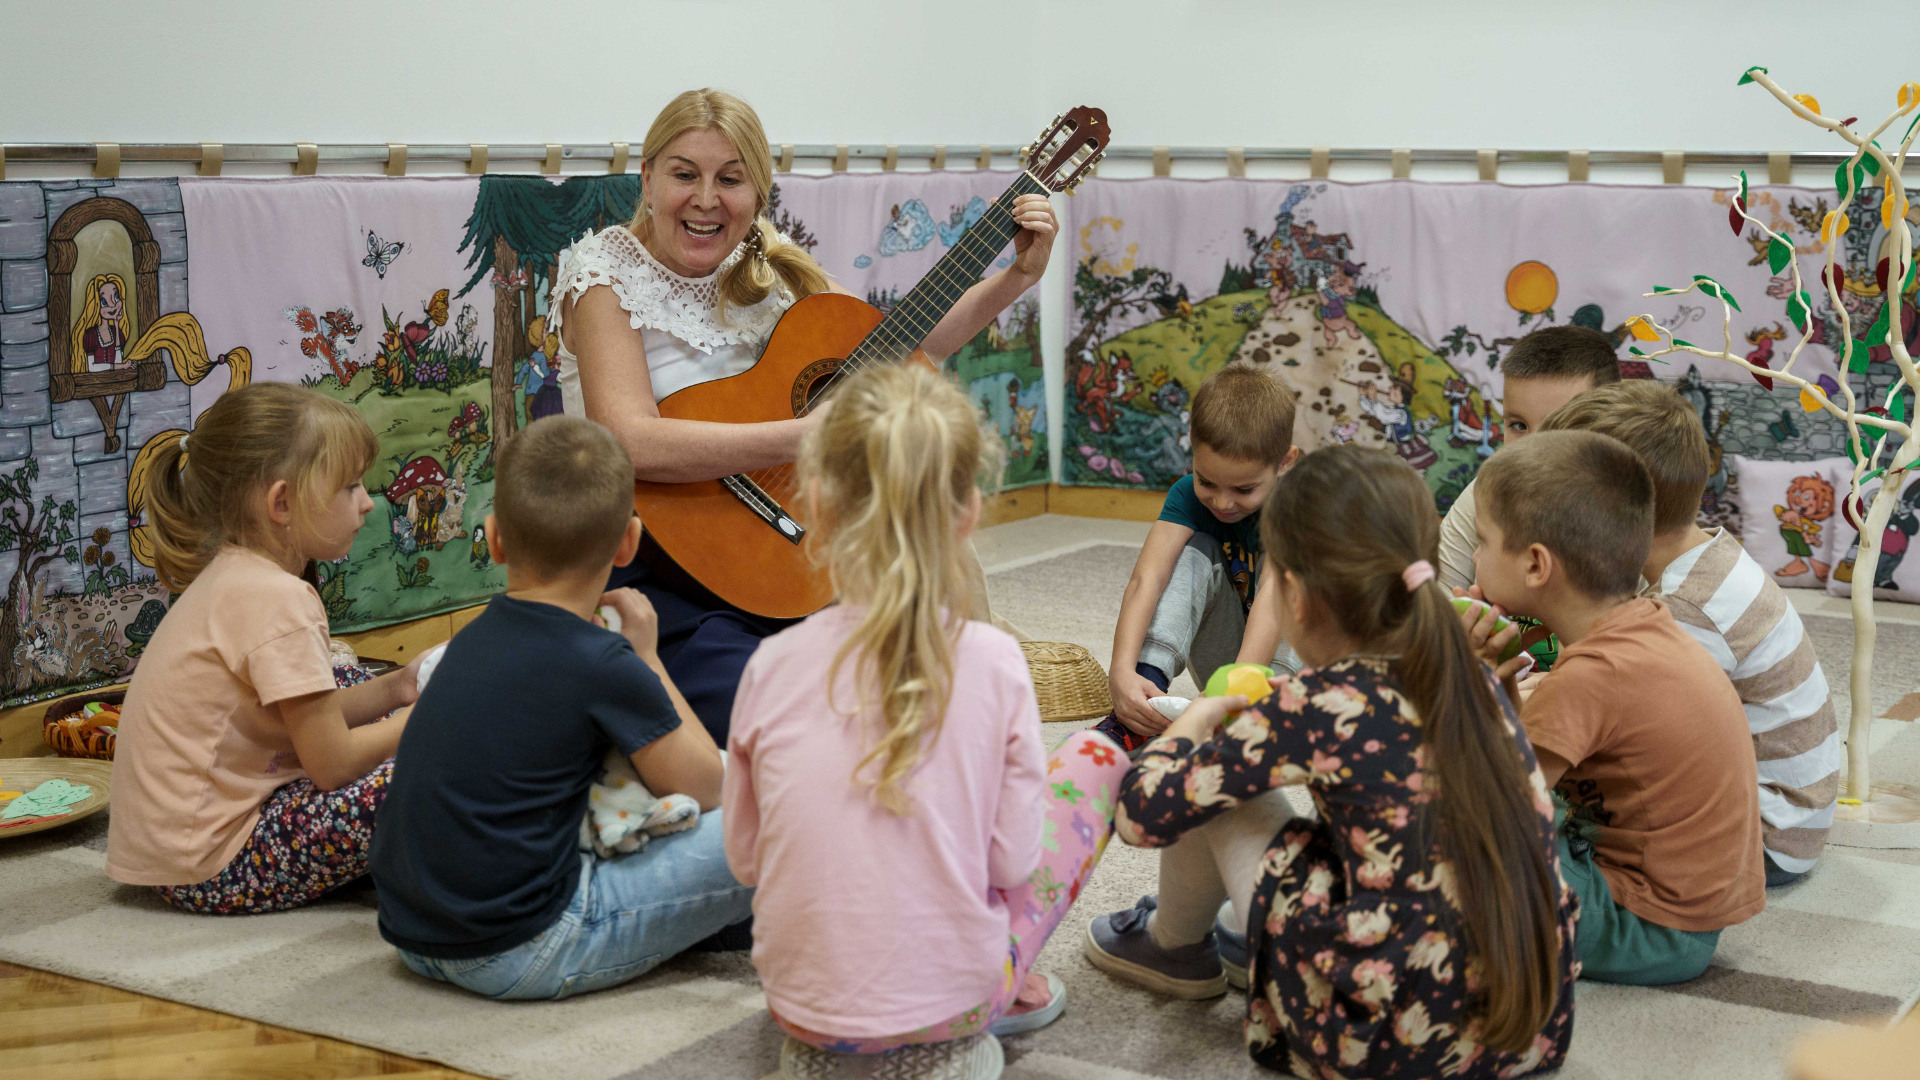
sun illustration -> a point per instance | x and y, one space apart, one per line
1531 287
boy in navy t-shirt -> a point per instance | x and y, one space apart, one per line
1193 602
475 851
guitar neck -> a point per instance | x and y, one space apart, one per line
918 312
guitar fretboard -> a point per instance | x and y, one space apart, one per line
918 312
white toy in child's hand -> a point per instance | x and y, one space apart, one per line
427 663
609 617
1170 707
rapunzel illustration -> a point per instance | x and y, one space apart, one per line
1809 502
101 334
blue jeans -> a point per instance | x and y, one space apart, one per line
628 914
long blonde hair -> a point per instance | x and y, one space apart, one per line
892 472
90 318
202 488
769 260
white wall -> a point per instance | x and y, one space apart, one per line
1630 74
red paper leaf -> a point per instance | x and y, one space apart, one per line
1847 511
1733 215
1848 122
1840 270
1881 271
1757 377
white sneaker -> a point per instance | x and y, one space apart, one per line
1170 707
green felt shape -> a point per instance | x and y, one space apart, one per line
1747 77
1462 603
1860 170
1857 357
1743 187
1799 306
1685 343
1909 131
1898 410
1716 290
1662 290
50 799
1635 350
1779 254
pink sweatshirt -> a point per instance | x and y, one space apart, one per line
868 923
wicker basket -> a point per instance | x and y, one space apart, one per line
1069 682
70 735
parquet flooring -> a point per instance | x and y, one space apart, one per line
56 1028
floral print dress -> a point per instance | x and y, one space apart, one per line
1359 963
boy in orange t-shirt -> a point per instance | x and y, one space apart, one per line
1637 730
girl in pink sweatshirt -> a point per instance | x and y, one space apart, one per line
887 793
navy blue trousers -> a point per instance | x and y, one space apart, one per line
703 644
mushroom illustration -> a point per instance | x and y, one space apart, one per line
421 488
467 416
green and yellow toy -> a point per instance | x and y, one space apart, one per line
1461 603
1249 680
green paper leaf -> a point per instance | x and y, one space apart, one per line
1857 362
1743 188
1716 290
1799 306
1779 254
1662 290
1877 333
1872 163
1872 476
1635 350
1685 343
1909 131
1840 177
1747 76
1898 410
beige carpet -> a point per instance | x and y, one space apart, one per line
1844 944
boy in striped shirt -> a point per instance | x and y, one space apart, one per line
1723 598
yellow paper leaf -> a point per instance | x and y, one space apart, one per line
1809 402
1812 103
1642 329
1909 95
1894 205
1834 227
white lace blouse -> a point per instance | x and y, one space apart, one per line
678 317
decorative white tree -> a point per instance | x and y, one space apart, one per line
1888 815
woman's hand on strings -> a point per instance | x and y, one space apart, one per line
1033 244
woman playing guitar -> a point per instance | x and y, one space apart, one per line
688 292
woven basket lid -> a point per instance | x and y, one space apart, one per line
1069 682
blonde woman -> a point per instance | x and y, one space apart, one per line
688 292
886 791
100 337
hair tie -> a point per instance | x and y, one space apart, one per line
1417 574
183 453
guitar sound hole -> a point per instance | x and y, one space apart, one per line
811 383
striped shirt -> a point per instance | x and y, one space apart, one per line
1722 597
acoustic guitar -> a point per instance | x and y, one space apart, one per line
742 536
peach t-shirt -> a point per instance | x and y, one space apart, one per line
1662 764
201 743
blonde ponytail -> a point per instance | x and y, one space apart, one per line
197 491
769 260
893 470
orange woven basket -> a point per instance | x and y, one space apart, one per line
72 733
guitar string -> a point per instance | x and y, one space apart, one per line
942 284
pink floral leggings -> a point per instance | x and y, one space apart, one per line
1083 780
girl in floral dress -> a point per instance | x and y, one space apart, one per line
886 789
1417 926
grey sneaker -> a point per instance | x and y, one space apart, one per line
1119 944
977 1057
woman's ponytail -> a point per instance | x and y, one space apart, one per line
769 260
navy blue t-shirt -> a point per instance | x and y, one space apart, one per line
1239 541
475 850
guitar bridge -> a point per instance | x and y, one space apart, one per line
763 504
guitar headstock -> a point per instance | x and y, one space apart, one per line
1068 149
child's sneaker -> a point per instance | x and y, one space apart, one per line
1128 739
977 1057
1042 999
1121 945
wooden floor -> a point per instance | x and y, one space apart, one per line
56 1028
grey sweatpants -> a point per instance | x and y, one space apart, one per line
1198 623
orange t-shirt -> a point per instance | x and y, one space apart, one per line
1663 763
202 744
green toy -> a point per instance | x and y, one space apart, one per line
1247 679
1461 603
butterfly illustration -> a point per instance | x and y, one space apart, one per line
380 253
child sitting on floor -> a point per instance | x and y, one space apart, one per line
1418 927
246 781
1637 729
1718 594
1194 601
912 843
482 883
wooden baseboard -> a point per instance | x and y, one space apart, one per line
1015 505
20 727
1125 504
